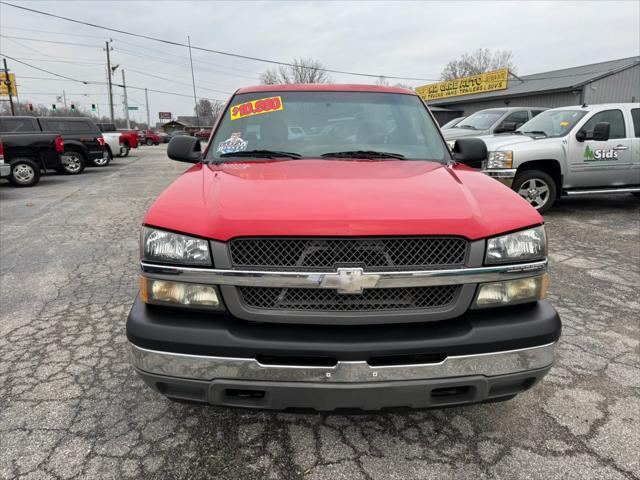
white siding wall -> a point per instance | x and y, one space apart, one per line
624 86
549 100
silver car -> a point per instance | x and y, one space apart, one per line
489 121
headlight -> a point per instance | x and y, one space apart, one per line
167 247
165 292
522 246
511 292
500 159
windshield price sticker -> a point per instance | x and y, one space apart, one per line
256 107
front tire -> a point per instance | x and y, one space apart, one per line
149 142
101 161
74 165
24 173
537 188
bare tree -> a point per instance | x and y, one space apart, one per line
403 85
216 109
302 70
204 108
480 61
382 81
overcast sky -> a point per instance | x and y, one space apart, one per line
413 39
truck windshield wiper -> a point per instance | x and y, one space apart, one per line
538 132
363 154
261 154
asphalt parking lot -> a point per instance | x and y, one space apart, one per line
72 407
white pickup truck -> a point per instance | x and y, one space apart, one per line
585 149
113 145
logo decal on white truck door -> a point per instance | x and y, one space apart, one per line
602 154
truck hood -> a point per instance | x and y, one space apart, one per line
454 133
503 141
338 198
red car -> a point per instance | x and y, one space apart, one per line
203 134
366 267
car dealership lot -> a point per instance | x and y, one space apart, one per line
71 406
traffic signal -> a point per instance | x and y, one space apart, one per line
73 107
31 107
53 107
93 107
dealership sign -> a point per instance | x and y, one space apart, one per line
164 115
485 82
4 84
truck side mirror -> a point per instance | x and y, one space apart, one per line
581 136
184 149
601 131
469 150
506 127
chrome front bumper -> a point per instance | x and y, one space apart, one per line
208 368
503 175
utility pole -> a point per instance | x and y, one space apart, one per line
146 97
64 97
107 46
193 79
126 103
7 81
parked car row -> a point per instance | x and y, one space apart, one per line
544 154
32 145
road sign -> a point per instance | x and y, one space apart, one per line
4 88
164 115
132 108
485 82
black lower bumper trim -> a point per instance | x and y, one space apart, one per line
188 332
331 396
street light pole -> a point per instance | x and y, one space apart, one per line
126 103
146 97
7 81
193 79
109 82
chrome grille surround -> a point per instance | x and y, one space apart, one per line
326 254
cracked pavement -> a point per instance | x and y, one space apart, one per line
72 407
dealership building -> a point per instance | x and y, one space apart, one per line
606 82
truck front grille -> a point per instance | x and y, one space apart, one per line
326 254
321 300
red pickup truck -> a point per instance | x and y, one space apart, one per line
148 137
128 138
360 267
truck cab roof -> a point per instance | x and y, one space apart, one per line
324 87
598 107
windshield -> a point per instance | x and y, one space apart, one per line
317 123
481 120
452 123
552 123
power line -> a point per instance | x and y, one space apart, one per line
51 73
92 82
51 41
171 80
151 58
54 33
219 52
